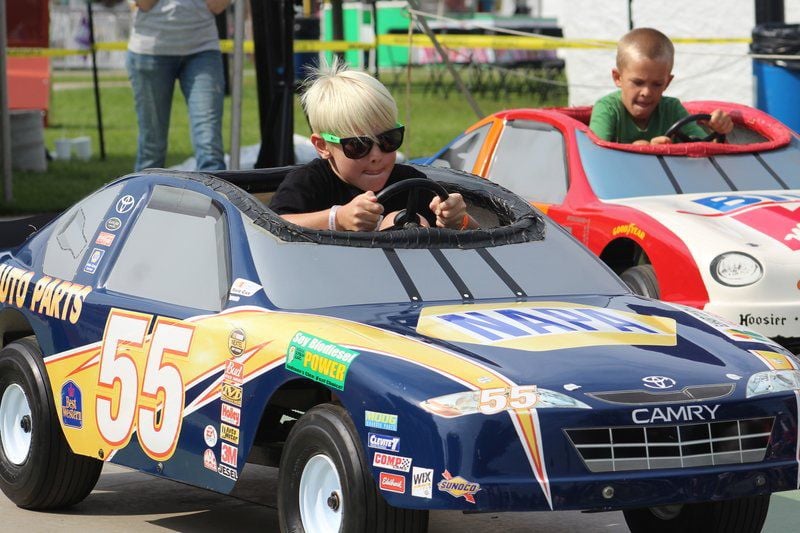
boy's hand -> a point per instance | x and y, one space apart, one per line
362 213
661 139
721 122
449 213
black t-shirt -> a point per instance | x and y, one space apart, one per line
315 187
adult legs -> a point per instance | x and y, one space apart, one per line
153 81
202 82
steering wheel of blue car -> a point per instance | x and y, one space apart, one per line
409 217
674 132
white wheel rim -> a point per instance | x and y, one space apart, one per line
16 424
321 504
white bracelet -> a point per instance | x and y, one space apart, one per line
332 217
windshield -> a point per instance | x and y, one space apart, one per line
615 174
298 275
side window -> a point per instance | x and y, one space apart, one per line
530 161
462 154
69 240
176 252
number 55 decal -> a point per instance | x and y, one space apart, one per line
495 400
153 404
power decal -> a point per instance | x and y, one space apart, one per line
318 359
50 297
537 326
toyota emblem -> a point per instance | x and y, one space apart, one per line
658 382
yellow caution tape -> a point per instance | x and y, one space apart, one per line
508 42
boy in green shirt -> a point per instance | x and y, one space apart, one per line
638 113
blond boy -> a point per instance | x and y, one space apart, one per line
353 119
638 113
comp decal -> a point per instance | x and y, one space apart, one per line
52 297
537 326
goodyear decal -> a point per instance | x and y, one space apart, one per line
319 359
544 326
51 297
629 229
775 360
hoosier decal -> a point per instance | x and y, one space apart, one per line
544 325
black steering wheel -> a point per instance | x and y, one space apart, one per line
674 132
408 217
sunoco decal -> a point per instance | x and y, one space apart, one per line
318 359
544 326
458 487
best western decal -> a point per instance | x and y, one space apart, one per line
684 413
71 406
51 297
374 419
458 487
319 360
392 462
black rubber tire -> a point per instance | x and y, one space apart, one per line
327 429
51 476
742 515
641 279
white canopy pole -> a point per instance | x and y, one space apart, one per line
5 125
236 83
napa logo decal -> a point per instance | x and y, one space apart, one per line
537 326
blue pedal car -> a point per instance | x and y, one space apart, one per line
171 323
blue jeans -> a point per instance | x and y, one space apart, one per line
202 83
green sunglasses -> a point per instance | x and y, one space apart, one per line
358 147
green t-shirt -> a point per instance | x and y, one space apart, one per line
612 122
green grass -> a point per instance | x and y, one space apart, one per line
434 121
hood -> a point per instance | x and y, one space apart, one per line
585 345
760 223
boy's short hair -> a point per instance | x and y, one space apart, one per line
647 43
347 103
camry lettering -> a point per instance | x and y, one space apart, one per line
501 324
684 413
